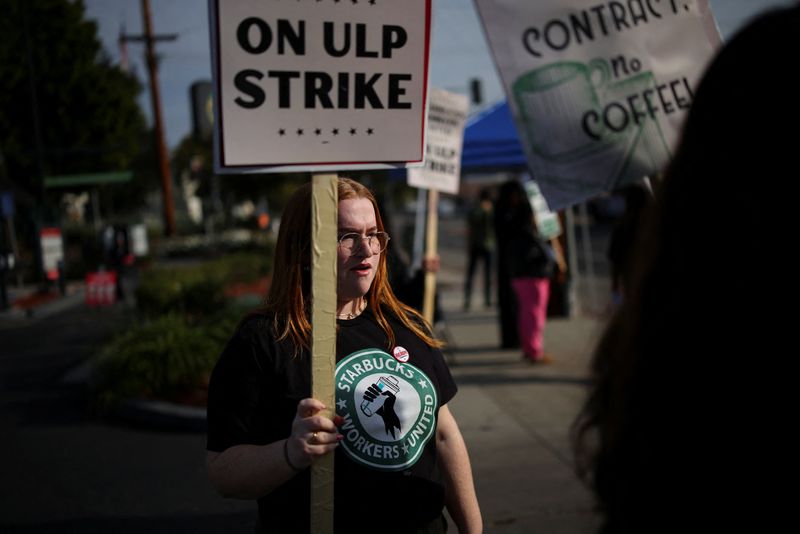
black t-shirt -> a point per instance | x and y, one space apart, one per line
386 473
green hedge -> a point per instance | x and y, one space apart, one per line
163 358
197 290
185 321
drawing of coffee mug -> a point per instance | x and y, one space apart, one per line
385 384
635 129
553 100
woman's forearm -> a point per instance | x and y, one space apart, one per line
249 471
252 471
461 500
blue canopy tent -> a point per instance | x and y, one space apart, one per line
491 142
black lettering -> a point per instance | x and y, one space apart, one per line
688 88
393 37
440 166
682 102
243 84
343 91
674 6
527 36
594 117
651 109
361 42
584 27
618 63
363 90
297 40
264 34
328 35
284 86
652 10
548 36
601 18
395 91
634 110
665 104
318 86
607 117
641 16
618 14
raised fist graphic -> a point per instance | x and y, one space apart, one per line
385 388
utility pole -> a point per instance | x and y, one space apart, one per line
161 148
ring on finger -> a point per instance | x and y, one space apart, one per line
313 438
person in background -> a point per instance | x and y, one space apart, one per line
687 426
399 454
480 240
530 264
407 283
507 218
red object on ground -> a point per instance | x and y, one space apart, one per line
35 299
101 288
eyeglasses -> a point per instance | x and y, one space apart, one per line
352 242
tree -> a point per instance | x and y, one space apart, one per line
195 155
64 108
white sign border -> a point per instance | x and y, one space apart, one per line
220 168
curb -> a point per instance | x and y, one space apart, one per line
15 316
157 415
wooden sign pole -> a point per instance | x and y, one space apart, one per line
431 249
324 224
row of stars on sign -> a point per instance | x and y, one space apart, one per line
319 131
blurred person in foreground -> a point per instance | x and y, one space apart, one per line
621 246
686 425
399 455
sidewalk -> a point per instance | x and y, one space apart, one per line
28 303
515 418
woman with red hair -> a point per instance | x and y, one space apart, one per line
399 455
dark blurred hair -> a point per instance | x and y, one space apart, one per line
685 409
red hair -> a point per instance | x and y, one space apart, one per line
289 300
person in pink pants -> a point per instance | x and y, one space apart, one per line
532 295
530 265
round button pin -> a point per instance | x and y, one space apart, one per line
400 354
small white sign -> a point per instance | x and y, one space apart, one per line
447 113
52 251
139 244
599 90
319 84
547 223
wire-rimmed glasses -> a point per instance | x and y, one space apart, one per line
352 242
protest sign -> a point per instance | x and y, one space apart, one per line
447 113
598 90
309 85
547 223
52 251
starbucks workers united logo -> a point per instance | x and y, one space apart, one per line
388 408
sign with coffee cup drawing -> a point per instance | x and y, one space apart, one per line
598 90
313 85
